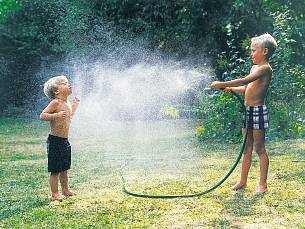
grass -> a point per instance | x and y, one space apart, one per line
162 159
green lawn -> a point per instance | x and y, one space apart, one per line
159 157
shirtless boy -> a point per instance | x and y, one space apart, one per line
59 112
256 120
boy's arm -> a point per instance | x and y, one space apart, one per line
75 104
49 114
262 70
240 89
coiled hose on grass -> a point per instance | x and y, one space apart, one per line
136 194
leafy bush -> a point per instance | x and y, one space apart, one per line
287 91
223 117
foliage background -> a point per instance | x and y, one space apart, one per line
34 33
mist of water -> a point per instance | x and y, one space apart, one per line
134 93
119 120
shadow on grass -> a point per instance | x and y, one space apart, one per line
241 205
22 187
15 207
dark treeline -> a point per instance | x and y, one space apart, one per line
36 32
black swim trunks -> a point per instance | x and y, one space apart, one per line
59 154
256 117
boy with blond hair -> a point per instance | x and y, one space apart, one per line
256 120
59 112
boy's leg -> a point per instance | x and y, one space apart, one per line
63 176
54 187
246 162
259 143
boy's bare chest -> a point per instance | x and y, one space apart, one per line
256 90
253 85
65 107
261 83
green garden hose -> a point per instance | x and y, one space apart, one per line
125 190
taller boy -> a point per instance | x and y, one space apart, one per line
256 120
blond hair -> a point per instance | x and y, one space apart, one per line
265 41
51 86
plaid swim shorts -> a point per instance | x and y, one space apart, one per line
256 117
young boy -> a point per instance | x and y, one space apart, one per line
256 120
59 112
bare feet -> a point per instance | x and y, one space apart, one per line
57 196
261 189
69 193
239 186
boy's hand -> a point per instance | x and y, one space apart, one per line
216 85
61 115
75 103
227 89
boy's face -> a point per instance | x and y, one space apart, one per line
64 88
258 53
